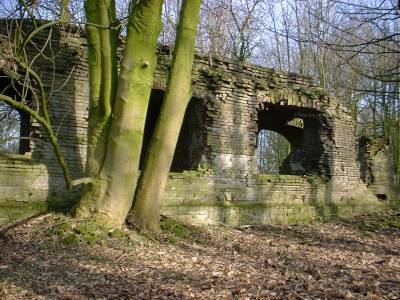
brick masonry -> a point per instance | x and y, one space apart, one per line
217 180
377 167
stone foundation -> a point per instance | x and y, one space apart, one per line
262 199
199 197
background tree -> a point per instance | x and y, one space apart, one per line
9 131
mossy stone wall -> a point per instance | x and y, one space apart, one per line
223 184
201 197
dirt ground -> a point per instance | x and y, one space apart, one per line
336 260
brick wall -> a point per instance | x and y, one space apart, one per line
376 164
221 183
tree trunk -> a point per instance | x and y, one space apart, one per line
103 74
146 210
120 169
115 138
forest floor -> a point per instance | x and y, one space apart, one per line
357 259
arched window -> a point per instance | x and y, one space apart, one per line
304 130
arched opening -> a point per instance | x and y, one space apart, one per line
290 141
14 124
191 141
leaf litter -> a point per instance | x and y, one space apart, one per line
356 259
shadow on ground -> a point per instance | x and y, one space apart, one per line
332 260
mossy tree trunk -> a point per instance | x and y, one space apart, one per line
118 106
146 209
101 100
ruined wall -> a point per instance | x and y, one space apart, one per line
262 199
229 190
33 182
376 167
217 149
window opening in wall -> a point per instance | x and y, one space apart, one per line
272 150
14 124
9 129
280 141
189 149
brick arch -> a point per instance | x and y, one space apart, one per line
307 141
276 118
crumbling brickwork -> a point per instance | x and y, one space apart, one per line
376 166
216 153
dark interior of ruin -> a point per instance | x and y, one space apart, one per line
191 140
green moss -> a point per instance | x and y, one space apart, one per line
396 223
172 239
93 239
383 225
244 212
88 228
174 228
62 229
175 231
385 220
70 231
16 211
394 203
70 239
117 233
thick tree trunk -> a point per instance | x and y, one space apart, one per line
116 129
146 210
103 74
120 169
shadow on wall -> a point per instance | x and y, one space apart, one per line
321 195
233 144
377 166
232 126
219 147
310 153
365 165
323 148
68 98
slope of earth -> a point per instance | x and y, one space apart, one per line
341 260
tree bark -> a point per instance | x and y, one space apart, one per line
118 107
146 210
103 75
120 168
